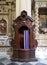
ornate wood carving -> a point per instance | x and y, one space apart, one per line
23 22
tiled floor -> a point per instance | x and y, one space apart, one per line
41 55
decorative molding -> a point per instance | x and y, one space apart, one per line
7 12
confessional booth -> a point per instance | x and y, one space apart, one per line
24 42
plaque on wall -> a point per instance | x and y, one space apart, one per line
42 11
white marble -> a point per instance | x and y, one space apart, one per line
4 41
41 53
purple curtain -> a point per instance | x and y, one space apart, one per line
26 39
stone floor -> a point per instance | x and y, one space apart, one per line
6 61
41 55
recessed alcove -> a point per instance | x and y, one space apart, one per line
21 29
21 33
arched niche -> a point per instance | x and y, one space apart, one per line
3 27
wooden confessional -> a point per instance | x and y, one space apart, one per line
24 42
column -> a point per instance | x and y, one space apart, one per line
23 5
36 20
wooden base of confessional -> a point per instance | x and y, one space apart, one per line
24 55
